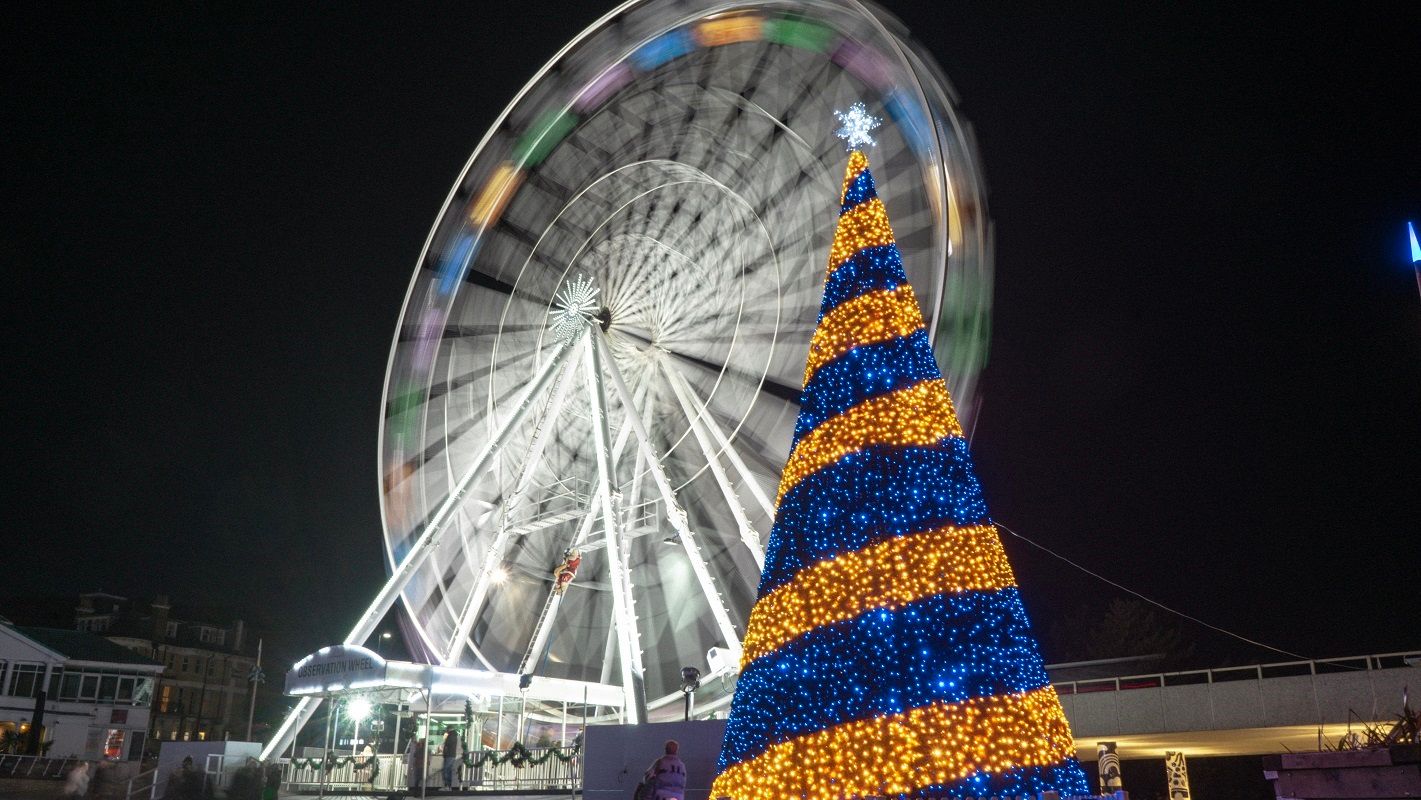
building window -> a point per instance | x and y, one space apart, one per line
186 665
113 745
172 630
26 679
165 699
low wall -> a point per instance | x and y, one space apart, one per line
616 756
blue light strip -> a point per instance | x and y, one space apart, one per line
941 649
863 373
1065 778
860 190
870 269
869 496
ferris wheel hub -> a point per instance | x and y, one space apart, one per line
575 305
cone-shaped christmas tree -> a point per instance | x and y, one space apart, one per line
888 652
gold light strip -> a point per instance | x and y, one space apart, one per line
920 414
867 319
895 754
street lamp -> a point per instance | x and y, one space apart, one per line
690 682
357 709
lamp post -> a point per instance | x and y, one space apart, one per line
357 709
690 682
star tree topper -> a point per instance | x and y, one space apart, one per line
857 124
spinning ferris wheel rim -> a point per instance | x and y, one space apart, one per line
932 95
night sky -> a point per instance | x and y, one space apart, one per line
1205 374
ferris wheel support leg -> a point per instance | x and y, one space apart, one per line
683 388
748 533
674 512
430 537
493 557
623 612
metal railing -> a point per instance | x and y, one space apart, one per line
12 766
137 787
308 775
1281 669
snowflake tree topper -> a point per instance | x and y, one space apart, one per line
857 124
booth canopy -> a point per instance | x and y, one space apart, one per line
345 669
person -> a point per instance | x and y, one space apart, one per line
414 764
666 777
451 756
76 784
365 767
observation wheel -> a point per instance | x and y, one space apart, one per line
597 370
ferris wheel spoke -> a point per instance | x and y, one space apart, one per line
748 534
674 512
695 410
790 394
533 456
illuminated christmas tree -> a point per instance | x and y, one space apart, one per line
888 652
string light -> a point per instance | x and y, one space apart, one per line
916 751
888 652
920 414
867 497
886 574
865 371
864 225
866 319
943 648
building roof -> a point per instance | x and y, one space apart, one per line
80 646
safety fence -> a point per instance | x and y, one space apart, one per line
13 766
516 769
1282 669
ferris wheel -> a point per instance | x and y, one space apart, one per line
597 369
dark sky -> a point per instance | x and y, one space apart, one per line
1206 367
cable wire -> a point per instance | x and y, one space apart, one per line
1149 600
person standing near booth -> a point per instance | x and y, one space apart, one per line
451 755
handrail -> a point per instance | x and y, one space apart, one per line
1154 680
152 785
30 762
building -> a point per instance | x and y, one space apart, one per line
96 695
204 691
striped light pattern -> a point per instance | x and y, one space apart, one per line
888 652
888 574
867 319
